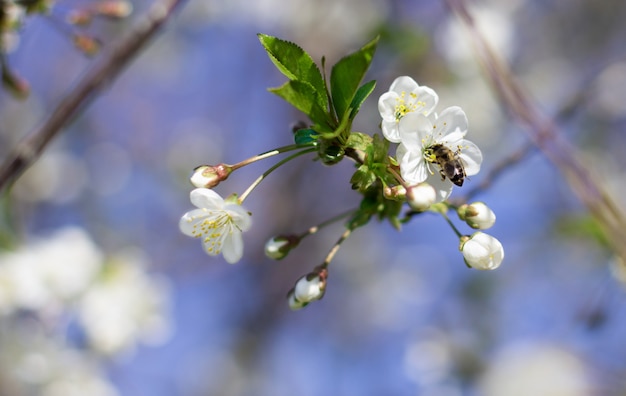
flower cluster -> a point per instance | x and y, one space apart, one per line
432 147
432 156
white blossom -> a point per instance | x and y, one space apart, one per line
124 307
218 223
419 134
48 272
482 251
405 96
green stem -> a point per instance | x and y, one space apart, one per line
456 231
268 154
333 219
335 248
273 168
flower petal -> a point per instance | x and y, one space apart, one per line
232 249
443 188
390 131
403 83
471 157
241 217
426 100
450 126
415 130
205 198
189 220
387 106
413 167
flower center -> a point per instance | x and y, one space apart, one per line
214 229
406 105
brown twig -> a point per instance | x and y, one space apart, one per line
544 134
104 71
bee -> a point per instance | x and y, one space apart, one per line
450 164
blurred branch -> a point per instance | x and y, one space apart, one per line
544 134
495 172
104 71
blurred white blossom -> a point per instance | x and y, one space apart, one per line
125 306
535 369
35 362
48 272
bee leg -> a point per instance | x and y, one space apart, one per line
443 175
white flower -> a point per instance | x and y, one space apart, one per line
404 96
46 273
219 223
482 251
477 215
125 306
419 134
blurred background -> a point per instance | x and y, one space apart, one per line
100 294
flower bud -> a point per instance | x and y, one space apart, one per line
477 215
293 303
396 193
310 287
482 251
278 247
207 176
421 196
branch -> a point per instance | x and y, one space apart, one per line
104 71
544 134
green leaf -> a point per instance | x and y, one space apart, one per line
377 151
305 136
361 94
302 96
359 141
362 179
347 74
296 64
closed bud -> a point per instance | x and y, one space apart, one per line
396 193
278 247
294 304
482 251
207 176
477 215
308 288
421 196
